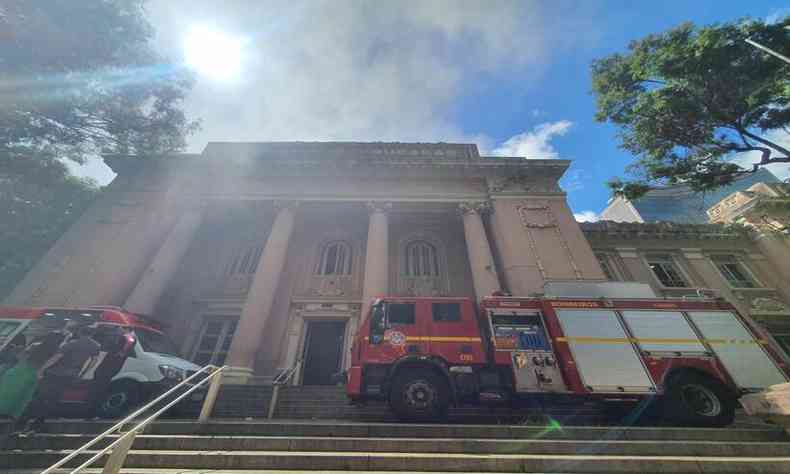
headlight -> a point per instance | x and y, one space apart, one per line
173 373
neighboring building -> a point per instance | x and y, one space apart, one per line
763 206
677 259
678 203
259 254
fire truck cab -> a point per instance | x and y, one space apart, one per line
690 359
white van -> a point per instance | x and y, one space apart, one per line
153 366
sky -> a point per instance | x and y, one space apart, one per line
511 76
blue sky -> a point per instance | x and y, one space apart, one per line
511 76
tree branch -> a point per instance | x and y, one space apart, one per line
768 143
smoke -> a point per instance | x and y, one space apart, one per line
381 71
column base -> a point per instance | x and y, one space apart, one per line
237 375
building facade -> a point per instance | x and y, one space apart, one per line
256 255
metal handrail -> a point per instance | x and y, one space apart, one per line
286 375
117 457
283 378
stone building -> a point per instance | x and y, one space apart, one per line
257 255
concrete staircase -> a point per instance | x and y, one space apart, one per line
331 402
243 446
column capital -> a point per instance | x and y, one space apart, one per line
474 207
378 207
280 205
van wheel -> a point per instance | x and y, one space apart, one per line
698 400
120 399
419 395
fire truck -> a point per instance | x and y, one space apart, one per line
687 359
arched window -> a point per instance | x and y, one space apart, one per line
335 259
245 262
422 259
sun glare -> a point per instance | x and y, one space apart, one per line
213 53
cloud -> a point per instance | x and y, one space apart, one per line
348 70
572 180
781 170
535 143
586 216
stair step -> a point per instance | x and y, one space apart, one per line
404 462
415 445
341 428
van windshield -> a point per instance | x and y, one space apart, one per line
157 342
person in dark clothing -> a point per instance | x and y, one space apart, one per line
117 343
61 371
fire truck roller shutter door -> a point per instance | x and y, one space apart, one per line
663 331
605 356
741 354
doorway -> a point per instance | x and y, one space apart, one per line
323 351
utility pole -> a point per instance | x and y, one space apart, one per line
769 50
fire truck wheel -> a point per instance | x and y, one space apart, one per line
697 400
419 395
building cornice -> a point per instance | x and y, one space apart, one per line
413 160
659 230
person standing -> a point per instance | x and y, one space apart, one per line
117 343
61 371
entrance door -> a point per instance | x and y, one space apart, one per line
323 350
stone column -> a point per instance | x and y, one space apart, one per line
258 305
376 281
164 265
481 261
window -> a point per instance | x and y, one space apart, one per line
447 312
214 342
606 266
666 271
734 271
335 259
245 262
421 259
400 313
156 342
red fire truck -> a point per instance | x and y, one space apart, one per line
689 359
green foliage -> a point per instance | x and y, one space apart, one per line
688 99
82 77
79 78
39 200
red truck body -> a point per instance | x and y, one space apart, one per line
694 356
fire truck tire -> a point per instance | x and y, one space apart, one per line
694 399
419 395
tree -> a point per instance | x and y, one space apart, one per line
77 78
39 200
688 100
83 77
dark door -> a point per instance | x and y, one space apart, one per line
323 350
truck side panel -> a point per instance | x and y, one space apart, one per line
607 359
738 350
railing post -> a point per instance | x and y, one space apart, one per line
118 456
211 396
273 401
